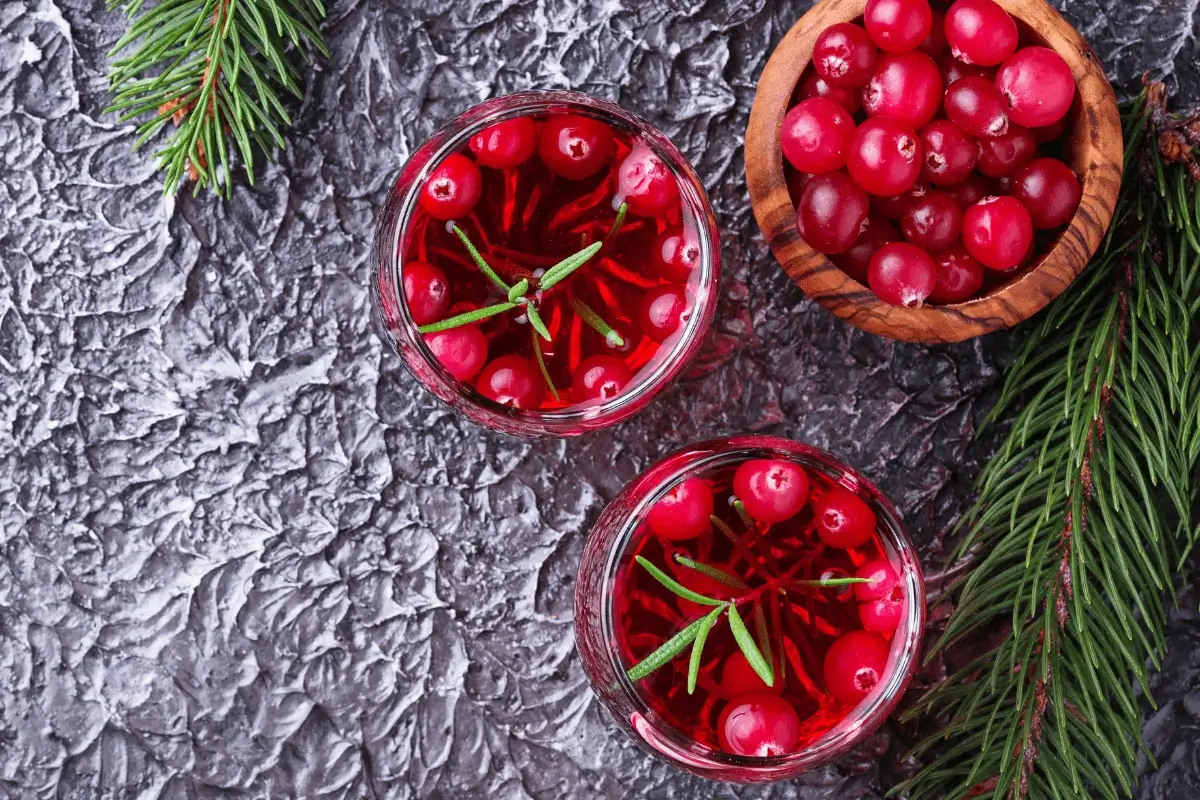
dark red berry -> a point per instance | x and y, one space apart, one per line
998 232
885 158
462 351
854 665
739 678
513 381
877 231
427 292
904 86
933 221
646 184
843 518
952 70
902 274
772 490
898 26
759 725
506 144
974 105
980 32
1050 133
1049 190
602 377
675 254
959 276
453 188
816 136
935 43
970 191
844 55
893 206
950 154
1001 156
814 85
661 311
882 600
831 212
574 146
1037 87
683 512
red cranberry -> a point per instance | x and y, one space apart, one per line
1050 133
980 32
952 70
854 666
885 158
898 26
902 274
427 292
602 377
959 276
1049 190
797 181
843 518
877 231
893 206
1001 156
974 106
933 221
1037 87
814 85
513 381
684 512
831 212
884 583
661 312
844 55
904 86
574 146
646 183
462 351
816 136
880 616
739 678
935 43
772 490
675 254
950 154
453 188
970 191
506 144
761 725
997 232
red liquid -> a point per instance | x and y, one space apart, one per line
528 219
802 623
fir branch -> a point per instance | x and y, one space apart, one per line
219 69
1078 545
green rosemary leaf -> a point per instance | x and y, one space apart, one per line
716 573
541 362
747 520
518 290
535 320
669 649
564 268
764 635
674 586
698 647
833 582
749 649
723 528
616 226
469 317
597 323
478 258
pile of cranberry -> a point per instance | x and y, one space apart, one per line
932 120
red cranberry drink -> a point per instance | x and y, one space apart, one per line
546 264
749 608
949 125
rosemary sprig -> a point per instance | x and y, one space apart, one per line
698 647
467 318
541 362
749 649
717 574
563 269
535 320
676 587
597 323
740 508
481 262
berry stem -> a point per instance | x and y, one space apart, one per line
597 323
541 362
467 318
484 267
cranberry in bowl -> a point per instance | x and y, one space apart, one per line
546 264
749 609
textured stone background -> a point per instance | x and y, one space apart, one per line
242 554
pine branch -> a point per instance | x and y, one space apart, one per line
220 70
1084 513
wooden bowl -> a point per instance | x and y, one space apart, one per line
1094 149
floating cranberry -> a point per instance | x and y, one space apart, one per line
974 105
885 158
959 276
683 512
1037 87
602 377
905 87
831 212
1050 192
950 154
952 70
462 351
506 144
453 188
427 292
513 381
760 725
902 274
814 85
970 191
661 311
675 254
877 231
935 43
646 183
844 54
998 232
574 146
854 666
772 490
816 136
884 583
980 32
893 206
843 518
933 221
1001 156
881 616
898 26
739 678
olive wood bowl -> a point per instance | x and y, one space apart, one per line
1093 148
